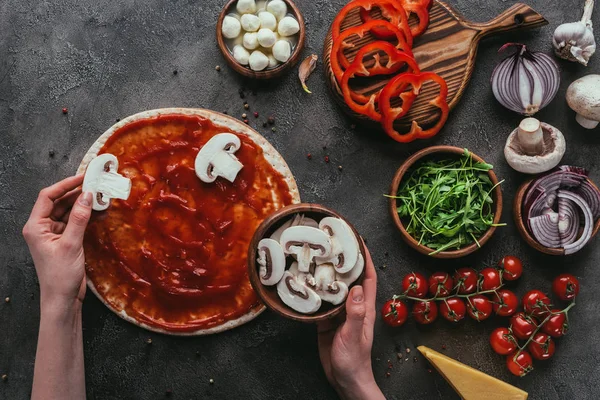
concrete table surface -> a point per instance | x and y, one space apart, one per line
105 60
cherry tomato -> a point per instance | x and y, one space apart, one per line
523 325
415 285
536 303
489 279
505 303
565 287
465 280
394 312
519 365
479 307
541 347
502 341
453 309
440 284
511 268
557 324
425 312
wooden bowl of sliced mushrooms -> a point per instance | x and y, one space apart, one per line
303 260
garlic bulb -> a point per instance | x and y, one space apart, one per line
575 41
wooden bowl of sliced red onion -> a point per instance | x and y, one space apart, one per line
558 213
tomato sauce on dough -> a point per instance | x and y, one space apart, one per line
173 255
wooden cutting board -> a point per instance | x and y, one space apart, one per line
448 48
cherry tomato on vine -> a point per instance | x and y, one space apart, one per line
425 312
511 268
557 325
523 325
440 284
502 341
489 279
521 364
453 309
415 285
541 347
565 287
506 303
465 280
479 307
394 312
536 303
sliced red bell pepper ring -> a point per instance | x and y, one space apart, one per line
396 60
419 8
422 15
339 61
397 17
396 87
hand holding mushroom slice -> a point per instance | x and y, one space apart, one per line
583 96
326 286
271 260
534 147
344 252
351 276
296 295
299 219
216 158
103 181
306 243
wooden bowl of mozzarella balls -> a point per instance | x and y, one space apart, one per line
261 39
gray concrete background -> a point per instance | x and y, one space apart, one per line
109 59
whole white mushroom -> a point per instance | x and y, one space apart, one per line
278 8
267 20
241 55
288 26
250 40
250 22
282 50
246 6
258 61
266 38
231 27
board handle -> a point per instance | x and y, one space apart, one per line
519 16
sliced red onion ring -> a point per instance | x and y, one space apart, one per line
588 225
568 221
545 229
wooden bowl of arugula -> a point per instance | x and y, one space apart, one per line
446 201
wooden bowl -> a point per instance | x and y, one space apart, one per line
267 73
433 152
268 294
522 227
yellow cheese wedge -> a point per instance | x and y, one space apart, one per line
470 383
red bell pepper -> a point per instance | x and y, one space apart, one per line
396 59
396 87
418 7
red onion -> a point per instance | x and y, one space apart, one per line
554 205
526 81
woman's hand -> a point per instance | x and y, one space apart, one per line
345 350
54 234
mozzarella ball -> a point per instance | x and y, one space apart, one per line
250 22
282 50
250 40
258 61
288 26
246 6
266 38
267 20
272 61
231 27
278 8
241 55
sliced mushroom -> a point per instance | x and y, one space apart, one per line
306 243
104 182
216 158
351 276
583 96
271 260
296 295
299 219
324 283
344 253
534 147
